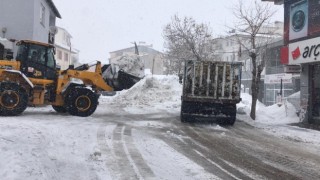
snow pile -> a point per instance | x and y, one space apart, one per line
151 93
131 64
277 121
285 114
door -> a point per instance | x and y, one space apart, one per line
315 90
1 51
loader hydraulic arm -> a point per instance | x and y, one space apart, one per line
89 78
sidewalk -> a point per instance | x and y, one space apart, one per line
307 126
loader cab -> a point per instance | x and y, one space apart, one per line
37 60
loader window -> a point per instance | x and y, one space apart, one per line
22 53
51 61
37 54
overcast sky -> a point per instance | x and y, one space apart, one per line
102 26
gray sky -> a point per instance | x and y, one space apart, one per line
101 26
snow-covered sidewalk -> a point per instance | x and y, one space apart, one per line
278 121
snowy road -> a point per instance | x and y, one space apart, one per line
137 134
115 144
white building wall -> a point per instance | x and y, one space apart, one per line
64 50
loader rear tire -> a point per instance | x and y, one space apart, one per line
59 109
13 99
81 101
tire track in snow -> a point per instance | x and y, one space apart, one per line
279 153
227 151
198 152
128 170
142 168
123 159
110 159
191 150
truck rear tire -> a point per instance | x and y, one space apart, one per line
59 109
13 99
231 120
186 118
81 101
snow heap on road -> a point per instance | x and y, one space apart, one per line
151 93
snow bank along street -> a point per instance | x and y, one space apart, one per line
137 134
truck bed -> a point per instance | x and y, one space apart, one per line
211 89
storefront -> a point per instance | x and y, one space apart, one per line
302 47
306 53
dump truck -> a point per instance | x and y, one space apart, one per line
33 79
211 91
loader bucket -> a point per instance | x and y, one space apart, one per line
118 79
125 81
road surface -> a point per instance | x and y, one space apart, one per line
116 144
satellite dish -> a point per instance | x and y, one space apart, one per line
53 29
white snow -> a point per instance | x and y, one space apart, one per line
278 121
151 94
41 144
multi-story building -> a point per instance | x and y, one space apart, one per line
65 53
152 59
31 19
230 47
302 48
236 47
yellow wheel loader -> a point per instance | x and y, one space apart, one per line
33 79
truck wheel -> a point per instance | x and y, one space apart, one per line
13 99
231 120
59 109
183 118
186 118
81 101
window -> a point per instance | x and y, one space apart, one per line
59 55
66 57
42 14
51 61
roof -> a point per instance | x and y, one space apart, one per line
34 42
140 48
63 29
54 8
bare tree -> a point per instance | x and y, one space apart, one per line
187 40
252 16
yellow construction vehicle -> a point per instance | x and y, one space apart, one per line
33 79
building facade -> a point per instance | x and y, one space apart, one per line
65 53
236 47
152 59
28 19
302 48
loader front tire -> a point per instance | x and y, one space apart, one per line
81 101
13 99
